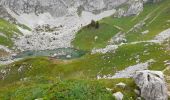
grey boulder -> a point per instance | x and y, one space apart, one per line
152 85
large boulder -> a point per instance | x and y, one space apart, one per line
152 85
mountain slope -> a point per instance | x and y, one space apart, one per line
115 50
133 27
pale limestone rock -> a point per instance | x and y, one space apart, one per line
134 7
121 85
59 7
152 85
118 96
137 91
145 32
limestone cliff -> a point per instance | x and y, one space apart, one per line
59 7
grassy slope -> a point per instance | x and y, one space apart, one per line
60 90
89 66
85 68
51 89
154 15
156 22
7 29
88 34
52 78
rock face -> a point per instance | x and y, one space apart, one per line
5 15
53 23
59 7
152 85
133 7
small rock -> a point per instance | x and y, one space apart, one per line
54 55
137 92
138 98
96 37
145 32
118 96
39 99
108 89
68 56
121 85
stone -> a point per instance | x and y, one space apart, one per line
68 56
138 98
137 91
118 38
118 96
120 13
96 37
108 89
108 48
152 85
145 32
121 85
39 99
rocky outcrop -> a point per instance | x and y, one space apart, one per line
163 36
152 85
136 6
59 7
132 7
5 15
118 38
55 7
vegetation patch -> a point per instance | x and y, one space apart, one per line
91 37
8 29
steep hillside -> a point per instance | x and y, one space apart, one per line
114 48
34 18
7 31
142 27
